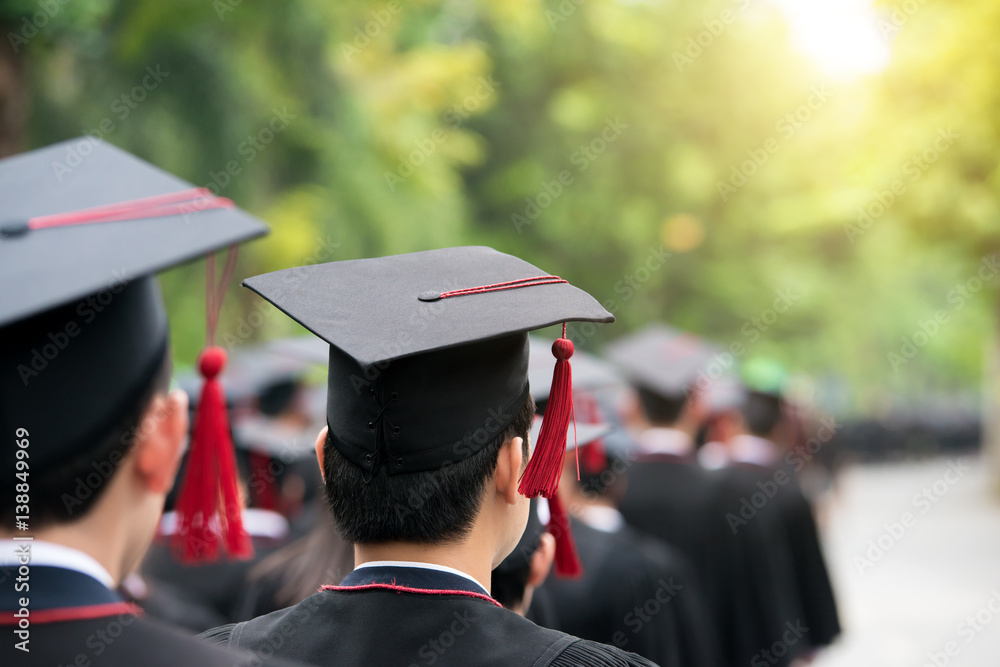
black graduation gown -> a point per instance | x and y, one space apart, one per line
413 616
75 620
218 586
638 594
675 500
779 485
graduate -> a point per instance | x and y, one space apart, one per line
425 457
92 439
634 591
670 497
756 461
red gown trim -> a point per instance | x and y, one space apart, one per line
407 589
57 614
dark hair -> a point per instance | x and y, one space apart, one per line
297 570
605 481
507 586
661 409
425 507
762 413
277 397
69 492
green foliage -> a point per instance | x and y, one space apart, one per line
588 136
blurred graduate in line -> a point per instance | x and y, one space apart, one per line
669 496
630 590
754 433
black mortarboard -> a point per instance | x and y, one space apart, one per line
662 359
81 317
428 351
86 226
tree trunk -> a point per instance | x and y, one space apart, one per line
13 94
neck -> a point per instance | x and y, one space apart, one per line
467 556
105 546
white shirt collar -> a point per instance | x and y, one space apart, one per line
664 440
599 517
713 455
55 555
748 448
425 566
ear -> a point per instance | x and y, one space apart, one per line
541 560
158 442
320 458
509 470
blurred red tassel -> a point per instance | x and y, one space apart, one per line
541 476
567 561
595 456
209 509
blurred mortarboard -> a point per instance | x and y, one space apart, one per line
589 371
583 435
662 359
725 393
81 317
428 353
252 370
86 227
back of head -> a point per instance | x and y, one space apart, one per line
762 413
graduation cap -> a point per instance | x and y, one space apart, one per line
86 226
428 358
662 359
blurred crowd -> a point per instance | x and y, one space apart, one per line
695 499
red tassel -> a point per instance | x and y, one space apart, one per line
568 564
209 509
264 489
541 476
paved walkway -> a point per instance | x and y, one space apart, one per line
922 594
